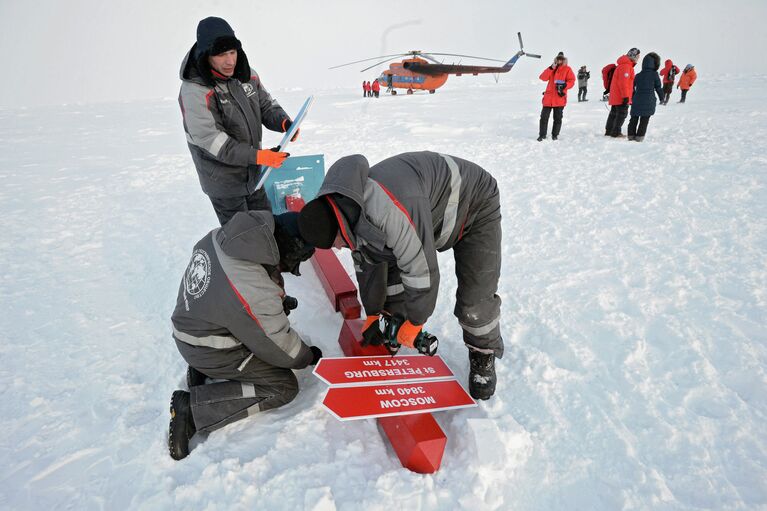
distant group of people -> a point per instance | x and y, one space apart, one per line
623 90
370 90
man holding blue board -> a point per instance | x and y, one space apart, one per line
224 106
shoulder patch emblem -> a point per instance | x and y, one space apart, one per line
248 88
197 275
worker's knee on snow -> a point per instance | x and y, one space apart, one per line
477 316
287 390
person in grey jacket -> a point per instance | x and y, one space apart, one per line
230 323
395 216
583 83
224 104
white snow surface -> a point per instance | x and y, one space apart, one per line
634 291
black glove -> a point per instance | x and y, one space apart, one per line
316 355
289 303
625 101
372 335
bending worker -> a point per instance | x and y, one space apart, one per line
395 216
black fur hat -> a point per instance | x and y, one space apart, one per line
215 36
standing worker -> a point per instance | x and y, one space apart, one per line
583 83
621 90
376 88
395 216
560 79
686 80
224 104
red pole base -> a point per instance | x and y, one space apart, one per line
417 439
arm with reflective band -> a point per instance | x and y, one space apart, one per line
263 327
203 130
411 238
272 114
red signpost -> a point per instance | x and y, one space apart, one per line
381 369
417 439
368 401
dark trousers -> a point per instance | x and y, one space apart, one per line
667 90
582 93
616 119
544 123
640 131
256 388
684 95
227 207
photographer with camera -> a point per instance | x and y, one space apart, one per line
560 78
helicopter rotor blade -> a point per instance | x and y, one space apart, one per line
533 55
379 63
519 35
371 58
468 56
429 57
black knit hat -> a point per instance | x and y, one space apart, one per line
318 224
293 248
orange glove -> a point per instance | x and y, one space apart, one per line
270 158
286 124
407 334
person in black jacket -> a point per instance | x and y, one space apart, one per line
646 85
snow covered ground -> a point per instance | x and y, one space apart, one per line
635 312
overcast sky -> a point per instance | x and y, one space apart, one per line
90 50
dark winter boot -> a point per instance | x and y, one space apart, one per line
631 137
638 138
181 425
481 374
194 377
540 138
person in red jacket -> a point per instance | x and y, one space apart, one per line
607 77
376 87
365 89
560 79
668 73
621 90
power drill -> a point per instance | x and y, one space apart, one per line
425 343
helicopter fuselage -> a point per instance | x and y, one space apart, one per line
397 77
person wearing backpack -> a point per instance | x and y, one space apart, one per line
621 90
668 73
646 86
560 78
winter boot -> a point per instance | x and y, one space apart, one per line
540 138
619 135
181 425
481 374
631 137
554 137
638 139
194 377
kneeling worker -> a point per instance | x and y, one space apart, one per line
230 323
395 216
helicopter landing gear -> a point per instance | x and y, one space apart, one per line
393 92
410 91
432 91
